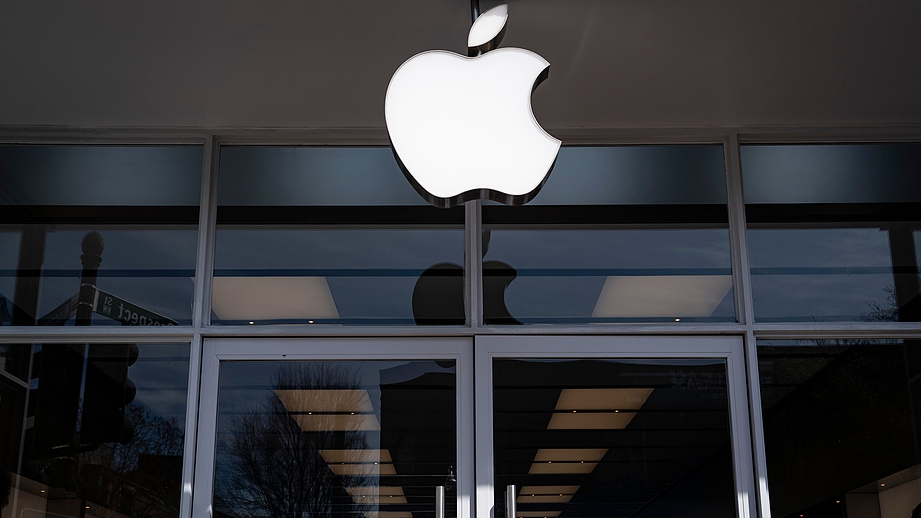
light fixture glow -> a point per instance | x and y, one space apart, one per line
272 298
370 462
672 296
566 460
600 408
317 410
372 495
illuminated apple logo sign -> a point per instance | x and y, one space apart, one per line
462 127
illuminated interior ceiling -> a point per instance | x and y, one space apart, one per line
670 296
272 298
373 495
370 462
546 494
319 410
566 460
597 409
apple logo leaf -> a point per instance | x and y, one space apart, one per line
487 31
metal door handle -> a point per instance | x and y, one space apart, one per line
439 502
511 509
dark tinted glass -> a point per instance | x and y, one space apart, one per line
639 175
833 231
324 176
332 236
72 444
139 207
841 426
613 438
337 439
618 234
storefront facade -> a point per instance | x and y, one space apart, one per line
227 320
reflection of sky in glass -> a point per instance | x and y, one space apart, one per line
152 268
819 274
100 175
636 175
862 173
561 272
260 175
371 273
161 374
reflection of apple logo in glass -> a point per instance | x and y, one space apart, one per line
462 127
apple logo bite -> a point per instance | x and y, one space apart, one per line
462 128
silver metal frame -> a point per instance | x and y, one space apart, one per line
201 332
218 350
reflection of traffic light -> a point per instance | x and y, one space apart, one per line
106 394
57 398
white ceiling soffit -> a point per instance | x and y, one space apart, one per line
272 298
672 296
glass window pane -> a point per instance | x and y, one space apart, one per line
330 438
608 275
618 234
833 231
327 176
613 438
337 276
137 205
635 175
76 449
841 426
332 236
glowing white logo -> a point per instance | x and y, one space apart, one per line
462 127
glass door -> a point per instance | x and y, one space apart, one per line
335 428
579 427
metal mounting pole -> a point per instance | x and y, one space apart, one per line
510 505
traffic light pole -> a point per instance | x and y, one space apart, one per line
92 246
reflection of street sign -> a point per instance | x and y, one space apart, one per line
127 313
61 314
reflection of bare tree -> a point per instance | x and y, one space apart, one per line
274 467
140 478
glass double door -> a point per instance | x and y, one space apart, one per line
514 426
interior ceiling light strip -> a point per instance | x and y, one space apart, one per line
597 409
670 296
377 495
566 461
272 298
326 410
546 494
359 462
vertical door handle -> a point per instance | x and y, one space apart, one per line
511 509
439 502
